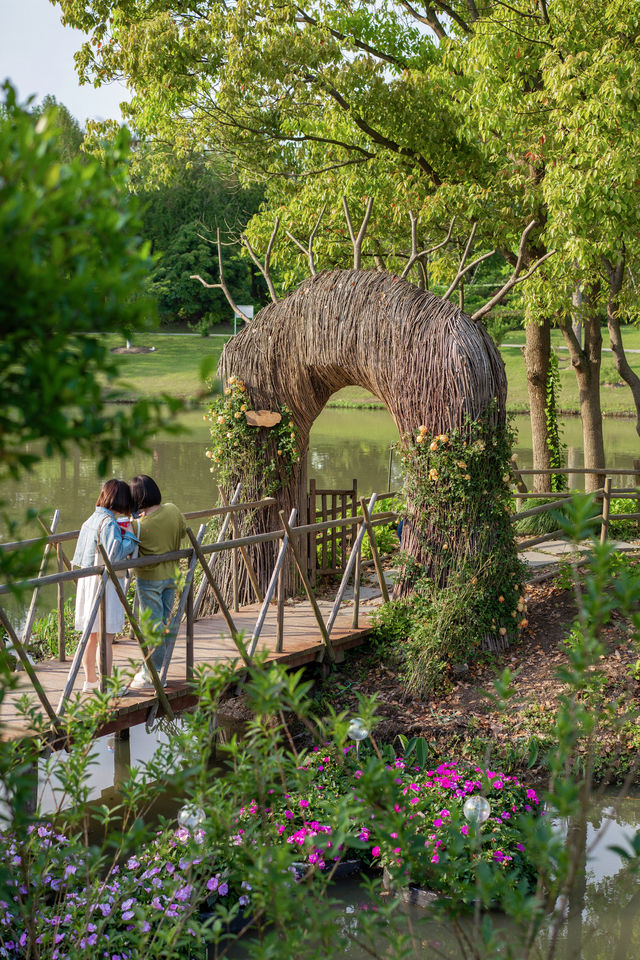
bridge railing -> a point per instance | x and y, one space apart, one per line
203 555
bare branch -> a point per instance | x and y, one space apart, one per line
265 268
222 285
415 255
462 269
308 251
450 12
515 276
357 241
429 19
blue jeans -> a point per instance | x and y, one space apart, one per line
157 596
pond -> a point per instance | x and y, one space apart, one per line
345 444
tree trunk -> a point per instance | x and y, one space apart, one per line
536 358
586 363
616 277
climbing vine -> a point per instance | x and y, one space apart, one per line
554 441
468 588
264 458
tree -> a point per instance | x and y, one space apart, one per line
183 202
457 108
71 269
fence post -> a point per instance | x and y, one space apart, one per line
280 611
102 640
636 467
356 587
606 508
62 651
313 539
189 631
234 580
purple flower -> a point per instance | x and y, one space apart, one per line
223 889
212 884
243 900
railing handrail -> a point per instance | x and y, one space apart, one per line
192 515
609 471
187 552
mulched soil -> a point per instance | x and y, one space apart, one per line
464 721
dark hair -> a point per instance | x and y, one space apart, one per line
115 495
145 492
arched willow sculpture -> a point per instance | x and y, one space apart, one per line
425 359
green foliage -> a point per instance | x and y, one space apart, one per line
468 594
539 523
181 212
71 269
259 455
556 447
44 638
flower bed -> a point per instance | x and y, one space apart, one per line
395 814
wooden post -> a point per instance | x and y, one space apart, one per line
606 509
62 651
374 550
26 663
244 553
189 642
257 630
146 653
223 532
357 573
324 538
636 467
313 537
343 533
280 612
28 625
102 641
354 511
77 657
521 486
355 550
234 580
307 586
206 569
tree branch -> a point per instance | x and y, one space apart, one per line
222 285
308 251
357 241
415 255
450 12
462 269
380 138
264 268
429 19
515 276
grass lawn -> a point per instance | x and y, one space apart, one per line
173 367
615 395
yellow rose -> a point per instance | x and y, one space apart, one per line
433 445
443 438
229 435
419 438
433 474
227 391
237 414
500 599
502 631
208 454
220 419
462 464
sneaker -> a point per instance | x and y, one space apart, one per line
90 685
142 681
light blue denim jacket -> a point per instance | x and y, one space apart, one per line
117 544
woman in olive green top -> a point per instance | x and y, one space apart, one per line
162 527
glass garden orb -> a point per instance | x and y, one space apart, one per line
191 817
357 730
476 809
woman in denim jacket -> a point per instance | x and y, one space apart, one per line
102 526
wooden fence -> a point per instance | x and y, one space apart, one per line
604 494
290 539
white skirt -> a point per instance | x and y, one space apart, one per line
85 596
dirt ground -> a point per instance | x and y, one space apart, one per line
465 722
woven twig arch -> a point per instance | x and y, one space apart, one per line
424 358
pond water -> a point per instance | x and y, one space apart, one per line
345 444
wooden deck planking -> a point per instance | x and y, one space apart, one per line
302 644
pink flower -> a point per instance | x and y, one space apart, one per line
375 852
464 829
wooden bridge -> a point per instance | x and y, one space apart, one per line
294 632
